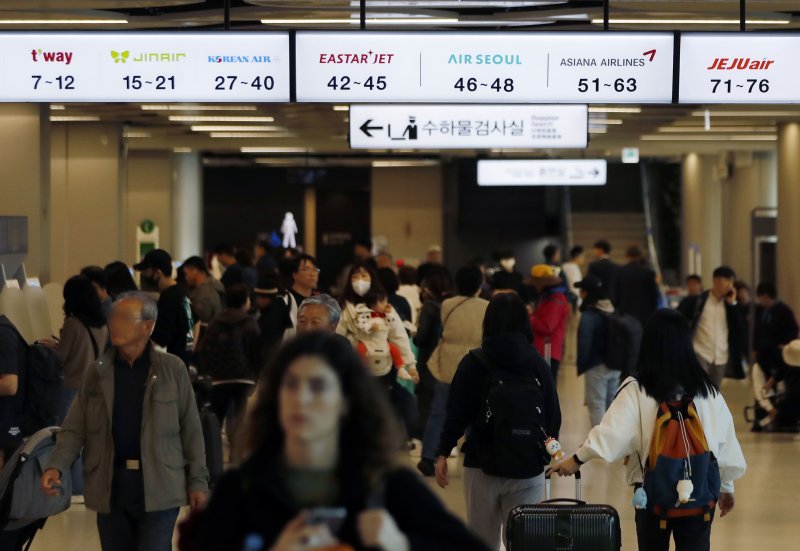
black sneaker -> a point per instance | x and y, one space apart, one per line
426 467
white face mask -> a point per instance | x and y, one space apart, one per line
508 264
361 287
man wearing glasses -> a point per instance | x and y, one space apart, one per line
136 419
305 278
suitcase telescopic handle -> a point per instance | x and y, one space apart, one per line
578 491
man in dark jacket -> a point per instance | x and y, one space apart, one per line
719 329
231 356
775 327
635 289
603 268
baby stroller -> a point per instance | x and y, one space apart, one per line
24 508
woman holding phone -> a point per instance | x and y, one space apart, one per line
322 470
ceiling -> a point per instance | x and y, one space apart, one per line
315 131
442 14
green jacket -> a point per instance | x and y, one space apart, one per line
173 450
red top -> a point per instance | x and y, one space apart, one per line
549 323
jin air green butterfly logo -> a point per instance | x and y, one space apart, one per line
120 57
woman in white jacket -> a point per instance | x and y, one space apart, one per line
668 367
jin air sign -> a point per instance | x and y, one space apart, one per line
492 67
542 172
739 68
468 126
121 67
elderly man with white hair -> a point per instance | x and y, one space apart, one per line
136 419
318 313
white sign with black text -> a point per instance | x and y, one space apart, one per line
542 172
495 67
121 67
739 68
468 126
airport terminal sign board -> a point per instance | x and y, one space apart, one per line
418 126
121 67
542 172
434 67
739 68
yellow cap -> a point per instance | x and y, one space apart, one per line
542 271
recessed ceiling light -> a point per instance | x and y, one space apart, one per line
56 107
604 121
178 107
602 130
370 21
728 129
181 149
74 118
707 138
231 118
615 109
341 108
691 21
136 134
275 150
63 21
404 163
236 128
248 135
747 113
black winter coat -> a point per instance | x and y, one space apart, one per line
254 499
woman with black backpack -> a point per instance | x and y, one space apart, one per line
495 388
676 431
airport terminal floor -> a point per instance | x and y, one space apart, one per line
764 498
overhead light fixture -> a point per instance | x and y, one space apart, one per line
56 107
181 149
136 134
236 128
63 21
248 135
274 150
748 113
728 129
232 118
710 138
341 108
178 107
615 109
598 130
604 121
465 4
599 21
370 21
404 163
74 118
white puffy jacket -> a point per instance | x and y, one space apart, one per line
627 429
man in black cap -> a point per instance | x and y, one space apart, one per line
205 292
173 329
273 315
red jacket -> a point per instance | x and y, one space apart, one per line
549 323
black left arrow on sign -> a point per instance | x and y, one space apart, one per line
365 128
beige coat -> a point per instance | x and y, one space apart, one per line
462 330
173 450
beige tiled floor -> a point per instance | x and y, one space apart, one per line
764 518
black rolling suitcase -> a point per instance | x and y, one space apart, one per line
563 525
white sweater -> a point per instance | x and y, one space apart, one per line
627 429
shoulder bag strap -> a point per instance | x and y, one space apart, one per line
95 348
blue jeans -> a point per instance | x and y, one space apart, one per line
76 471
601 384
436 419
128 527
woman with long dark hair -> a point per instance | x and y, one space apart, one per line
322 469
669 379
120 279
83 337
503 466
